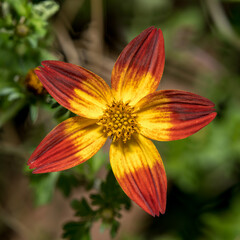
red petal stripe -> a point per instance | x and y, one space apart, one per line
147 187
75 88
139 170
139 68
173 114
70 143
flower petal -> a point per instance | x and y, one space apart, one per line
75 88
172 114
139 170
139 68
70 143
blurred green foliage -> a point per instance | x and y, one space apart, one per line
106 206
203 170
24 43
44 185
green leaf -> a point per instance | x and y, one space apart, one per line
15 96
66 182
90 168
108 203
43 187
97 161
33 41
76 231
33 113
103 227
112 193
46 9
114 228
60 112
110 187
7 90
97 199
82 208
54 104
12 110
20 6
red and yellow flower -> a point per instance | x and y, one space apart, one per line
130 113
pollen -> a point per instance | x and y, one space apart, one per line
119 121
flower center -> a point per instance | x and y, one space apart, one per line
119 121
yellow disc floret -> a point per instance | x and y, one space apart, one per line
119 121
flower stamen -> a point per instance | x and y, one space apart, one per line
119 121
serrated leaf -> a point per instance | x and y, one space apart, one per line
110 186
76 231
82 208
112 195
97 199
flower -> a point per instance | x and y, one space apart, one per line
33 84
131 113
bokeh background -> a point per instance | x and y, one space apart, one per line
202 43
